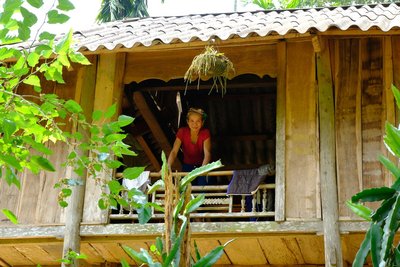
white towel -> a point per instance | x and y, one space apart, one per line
140 182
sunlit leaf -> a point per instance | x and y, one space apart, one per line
114 186
132 172
373 194
72 106
194 204
32 80
55 17
10 215
29 18
36 3
43 163
360 210
124 120
65 5
110 111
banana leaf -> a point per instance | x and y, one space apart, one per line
373 194
362 253
198 172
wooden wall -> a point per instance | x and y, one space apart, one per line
362 70
364 102
302 188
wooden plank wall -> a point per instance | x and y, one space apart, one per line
363 104
302 195
36 201
165 65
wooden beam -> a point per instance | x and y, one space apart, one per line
148 152
329 198
280 135
154 126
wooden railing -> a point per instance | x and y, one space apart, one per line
217 205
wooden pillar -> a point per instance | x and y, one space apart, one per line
280 134
329 198
74 211
107 90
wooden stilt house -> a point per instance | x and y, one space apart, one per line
309 96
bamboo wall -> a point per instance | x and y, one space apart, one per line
362 70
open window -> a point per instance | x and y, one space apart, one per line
242 122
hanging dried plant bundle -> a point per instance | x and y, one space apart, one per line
210 64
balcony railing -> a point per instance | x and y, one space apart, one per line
218 205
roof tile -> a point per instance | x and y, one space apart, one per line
151 31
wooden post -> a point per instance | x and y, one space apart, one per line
333 250
74 211
280 134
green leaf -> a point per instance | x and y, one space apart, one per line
211 258
194 204
97 115
390 228
138 257
63 203
396 94
24 32
155 186
9 127
78 57
33 59
110 111
102 204
132 172
36 3
373 194
115 186
32 80
360 210
199 171
197 251
362 253
43 163
65 5
72 106
176 245
392 139
376 240
54 17
11 160
382 212
29 18
46 36
11 177
159 244
10 215
124 120
144 214
63 45
390 166
124 263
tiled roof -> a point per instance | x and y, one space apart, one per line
151 31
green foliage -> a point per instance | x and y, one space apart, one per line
32 120
178 229
385 220
71 256
120 9
287 4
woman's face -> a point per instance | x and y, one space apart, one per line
195 122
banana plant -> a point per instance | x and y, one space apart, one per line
174 247
385 220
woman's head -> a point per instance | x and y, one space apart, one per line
195 118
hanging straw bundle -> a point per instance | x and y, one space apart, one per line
210 64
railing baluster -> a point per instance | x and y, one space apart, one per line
254 202
264 200
242 203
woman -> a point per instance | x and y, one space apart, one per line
195 142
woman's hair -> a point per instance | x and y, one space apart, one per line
196 111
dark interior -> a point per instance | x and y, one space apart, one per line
242 122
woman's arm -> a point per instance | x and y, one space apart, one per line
174 152
207 151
